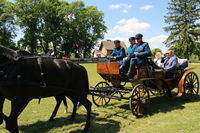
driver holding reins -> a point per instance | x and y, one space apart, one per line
118 53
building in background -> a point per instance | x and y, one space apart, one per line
106 48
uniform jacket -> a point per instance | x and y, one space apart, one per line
143 50
118 53
171 64
130 51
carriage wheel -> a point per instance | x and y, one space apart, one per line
101 89
191 85
139 97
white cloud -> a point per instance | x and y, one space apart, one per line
157 42
126 21
131 26
125 11
146 7
117 6
109 32
198 21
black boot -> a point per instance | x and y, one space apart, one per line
122 69
130 72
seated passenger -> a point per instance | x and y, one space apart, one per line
158 59
170 64
141 51
130 54
118 53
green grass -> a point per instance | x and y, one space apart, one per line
165 115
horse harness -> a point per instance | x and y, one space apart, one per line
42 84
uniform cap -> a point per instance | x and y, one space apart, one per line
117 41
138 35
132 38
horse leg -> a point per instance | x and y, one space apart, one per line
87 104
65 104
75 102
16 108
59 99
74 109
2 116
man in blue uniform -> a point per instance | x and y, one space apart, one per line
130 54
118 53
140 53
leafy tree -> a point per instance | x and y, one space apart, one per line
85 26
52 25
69 27
27 17
182 18
7 26
155 50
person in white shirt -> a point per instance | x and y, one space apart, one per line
158 58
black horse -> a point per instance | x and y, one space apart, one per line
59 98
27 78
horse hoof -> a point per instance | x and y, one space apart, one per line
1 121
51 119
86 131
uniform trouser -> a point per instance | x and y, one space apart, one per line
119 61
126 63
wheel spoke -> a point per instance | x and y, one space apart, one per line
105 100
99 100
139 95
101 89
194 91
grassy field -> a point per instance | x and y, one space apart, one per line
165 115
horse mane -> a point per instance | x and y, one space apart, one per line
8 53
23 53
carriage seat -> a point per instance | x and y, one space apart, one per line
152 63
182 63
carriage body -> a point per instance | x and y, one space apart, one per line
148 80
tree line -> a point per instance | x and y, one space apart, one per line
76 28
51 24
183 19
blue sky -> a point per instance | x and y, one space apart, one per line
125 18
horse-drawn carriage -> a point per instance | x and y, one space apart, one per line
148 80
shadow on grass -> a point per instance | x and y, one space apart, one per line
163 104
157 104
166 104
98 125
